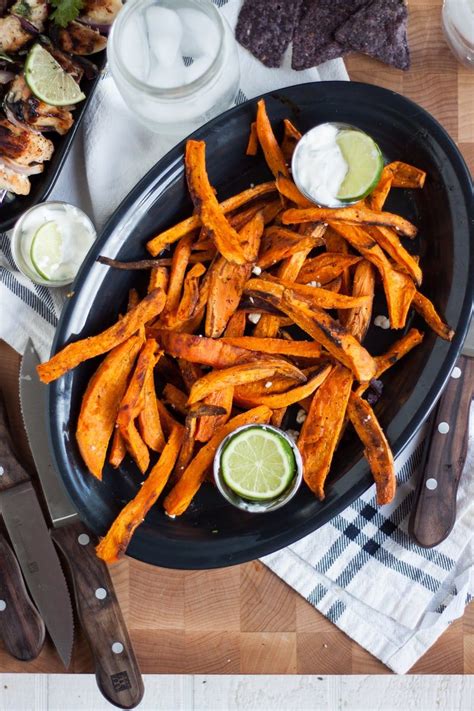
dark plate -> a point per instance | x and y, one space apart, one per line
211 533
41 185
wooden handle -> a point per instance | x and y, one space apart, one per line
11 471
21 627
434 512
116 668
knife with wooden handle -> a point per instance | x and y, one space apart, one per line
21 628
116 667
434 513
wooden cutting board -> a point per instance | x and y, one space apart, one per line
244 619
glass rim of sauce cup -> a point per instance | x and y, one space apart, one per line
22 266
258 506
169 93
294 171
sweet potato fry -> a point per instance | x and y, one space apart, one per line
116 541
322 427
280 243
277 417
388 240
84 349
206 351
149 425
399 288
252 145
428 312
186 451
326 267
168 422
236 325
350 215
290 397
245 373
396 351
101 401
212 217
208 425
376 447
164 239
291 136
136 447
182 494
133 299
358 318
376 199
178 270
405 175
266 138
289 269
118 449
133 399
227 280
330 334
288 189
190 298
190 372
277 346
158 279
175 397
313 295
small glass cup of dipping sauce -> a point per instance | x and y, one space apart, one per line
336 164
457 20
50 241
174 62
252 505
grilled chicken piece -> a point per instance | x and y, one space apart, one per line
14 182
80 39
34 11
100 12
22 146
25 110
67 62
12 34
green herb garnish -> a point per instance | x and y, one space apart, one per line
66 11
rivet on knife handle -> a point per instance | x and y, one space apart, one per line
21 628
116 668
434 513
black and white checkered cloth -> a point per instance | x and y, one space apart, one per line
360 570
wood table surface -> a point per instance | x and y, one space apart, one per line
244 619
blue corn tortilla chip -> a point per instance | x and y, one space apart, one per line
265 28
313 39
380 30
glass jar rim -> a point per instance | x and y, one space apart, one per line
173 93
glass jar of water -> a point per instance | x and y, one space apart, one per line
174 62
458 25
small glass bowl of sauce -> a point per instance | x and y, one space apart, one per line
336 164
262 505
50 242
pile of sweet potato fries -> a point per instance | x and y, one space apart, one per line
208 349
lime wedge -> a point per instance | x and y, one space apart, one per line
258 464
46 250
48 81
365 162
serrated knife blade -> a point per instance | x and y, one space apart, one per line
34 549
33 408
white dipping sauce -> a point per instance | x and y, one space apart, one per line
320 165
77 236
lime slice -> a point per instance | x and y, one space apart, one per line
365 162
46 250
258 464
48 80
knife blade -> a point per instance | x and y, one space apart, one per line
36 554
434 513
116 667
22 629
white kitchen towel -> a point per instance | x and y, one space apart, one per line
360 570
